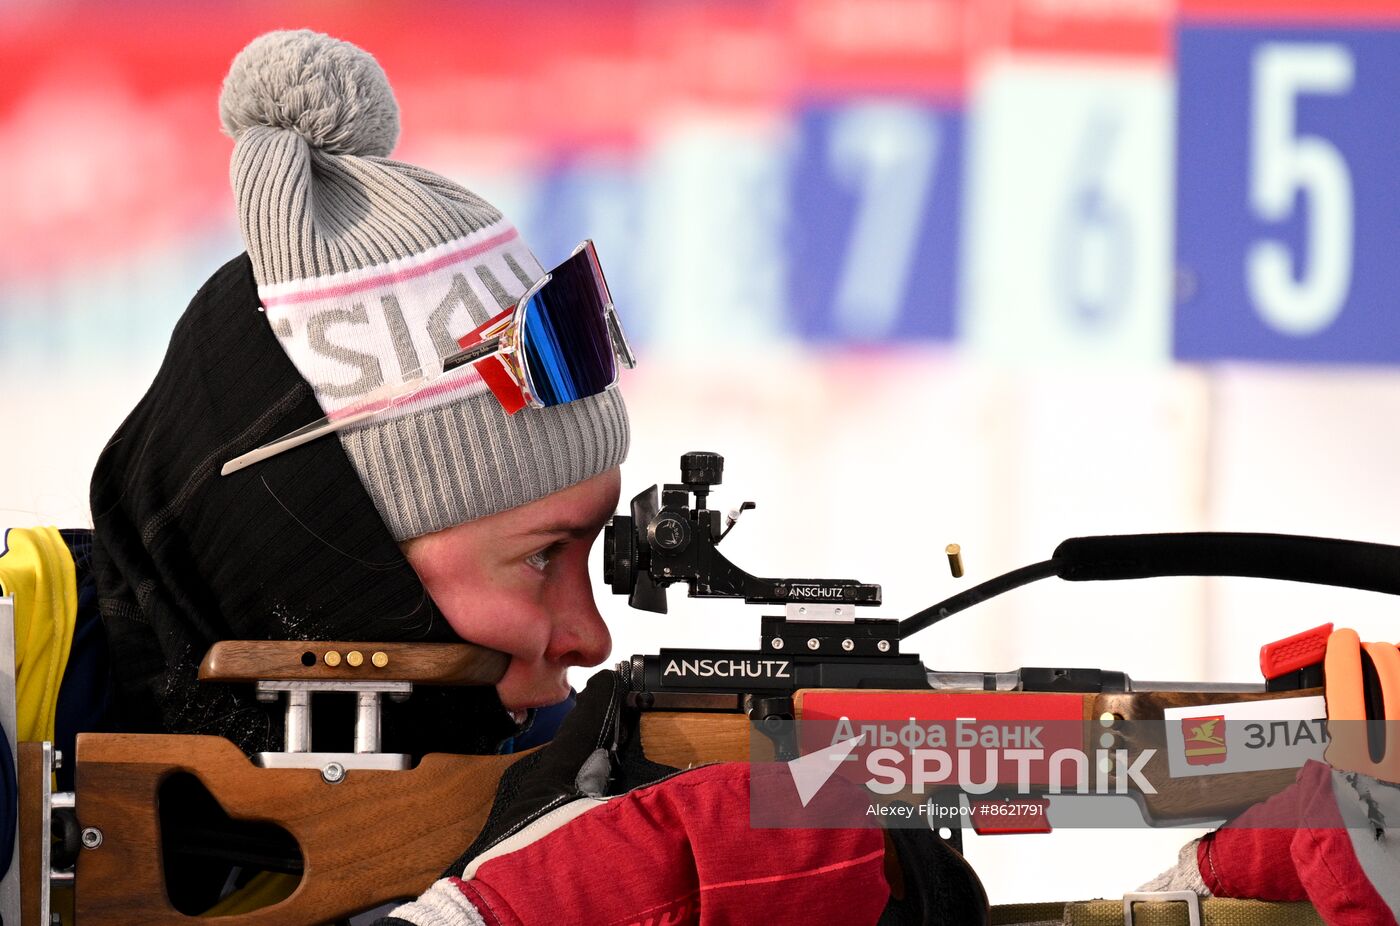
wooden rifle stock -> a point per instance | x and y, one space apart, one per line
368 839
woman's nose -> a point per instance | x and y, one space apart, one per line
579 637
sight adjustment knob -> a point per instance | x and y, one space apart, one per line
668 533
701 468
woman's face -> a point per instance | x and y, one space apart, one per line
517 581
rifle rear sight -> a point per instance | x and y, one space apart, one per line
666 539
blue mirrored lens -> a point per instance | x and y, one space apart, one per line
568 350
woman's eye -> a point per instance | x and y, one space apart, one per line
539 559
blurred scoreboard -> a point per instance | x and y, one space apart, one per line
1070 181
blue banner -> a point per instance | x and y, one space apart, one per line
1288 211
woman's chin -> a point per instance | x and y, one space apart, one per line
542 695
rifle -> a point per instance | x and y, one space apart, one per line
365 828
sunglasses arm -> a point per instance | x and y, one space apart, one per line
473 354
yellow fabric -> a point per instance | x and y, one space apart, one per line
37 570
262 890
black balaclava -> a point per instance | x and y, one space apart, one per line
291 548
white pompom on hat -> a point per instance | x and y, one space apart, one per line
331 93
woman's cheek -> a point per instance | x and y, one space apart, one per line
483 626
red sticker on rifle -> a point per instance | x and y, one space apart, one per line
1018 739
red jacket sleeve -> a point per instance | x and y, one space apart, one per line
1295 846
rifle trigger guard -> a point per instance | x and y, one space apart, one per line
774 718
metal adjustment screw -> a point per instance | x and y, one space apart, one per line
355 658
333 772
802 609
777 643
380 659
332 658
92 837
883 646
848 645
814 643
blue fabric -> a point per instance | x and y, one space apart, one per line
545 724
84 698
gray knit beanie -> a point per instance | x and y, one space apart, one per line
369 270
